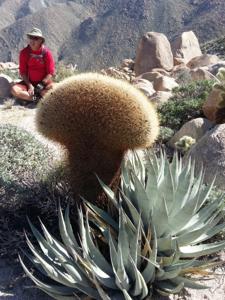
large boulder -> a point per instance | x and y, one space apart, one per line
201 74
150 76
185 47
164 83
5 86
202 61
209 152
160 97
153 51
195 129
145 86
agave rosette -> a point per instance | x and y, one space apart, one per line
163 218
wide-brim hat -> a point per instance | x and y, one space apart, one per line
36 32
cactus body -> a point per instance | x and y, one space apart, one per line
97 118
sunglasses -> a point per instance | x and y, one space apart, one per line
35 38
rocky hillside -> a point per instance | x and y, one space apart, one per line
98 33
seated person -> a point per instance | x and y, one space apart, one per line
36 67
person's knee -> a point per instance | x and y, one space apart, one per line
14 90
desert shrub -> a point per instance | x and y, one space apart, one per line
63 71
30 185
165 134
183 76
23 154
186 104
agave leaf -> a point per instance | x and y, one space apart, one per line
188 283
126 295
101 292
208 230
46 246
194 191
183 188
138 167
66 232
133 211
108 192
166 185
172 259
161 213
56 290
103 215
35 262
144 206
53 271
200 250
166 244
135 244
166 287
152 184
203 215
95 254
204 193
168 274
175 167
185 220
113 253
140 287
200 268
73 269
210 233
122 278
83 234
149 271
123 242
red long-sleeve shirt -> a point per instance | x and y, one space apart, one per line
36 64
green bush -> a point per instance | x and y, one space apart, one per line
30 185
165 134
186 104
25 163
23 154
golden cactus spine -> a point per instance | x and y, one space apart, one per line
97 118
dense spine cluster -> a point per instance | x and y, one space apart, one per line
97 118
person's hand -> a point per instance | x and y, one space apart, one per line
31 90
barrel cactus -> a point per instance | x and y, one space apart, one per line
97 119
154 246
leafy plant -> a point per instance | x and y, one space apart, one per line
22 152
30 184
164 222
186 104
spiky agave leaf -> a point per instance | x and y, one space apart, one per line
163 216
83 268
178 208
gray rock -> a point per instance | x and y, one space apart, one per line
153 51
214 68
210 152
5 86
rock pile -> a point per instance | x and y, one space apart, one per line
163 63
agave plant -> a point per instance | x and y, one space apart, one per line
153 245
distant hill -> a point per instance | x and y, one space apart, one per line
99 33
